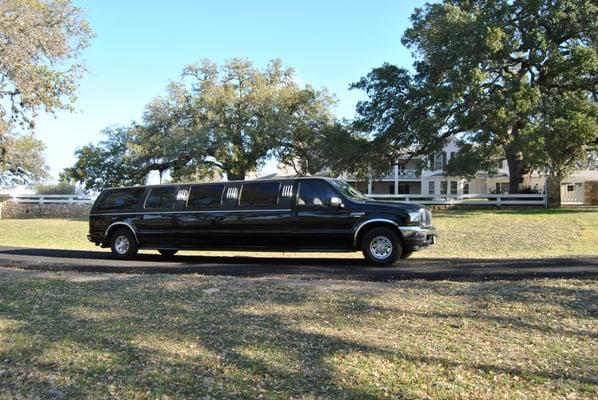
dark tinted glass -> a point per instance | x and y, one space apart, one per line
205 196
161 198
314 193
121 199
259 194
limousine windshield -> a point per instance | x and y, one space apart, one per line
348 190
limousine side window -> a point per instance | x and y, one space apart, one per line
205 196
162 197
314 193
121 199
259 194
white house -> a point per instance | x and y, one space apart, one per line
425 175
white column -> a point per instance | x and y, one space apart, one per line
369 186
396 171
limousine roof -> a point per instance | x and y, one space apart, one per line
282 179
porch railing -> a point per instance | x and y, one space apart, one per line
468 199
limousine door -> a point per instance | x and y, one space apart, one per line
156 226
200 215
259 214
315 222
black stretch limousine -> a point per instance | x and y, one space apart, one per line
317 214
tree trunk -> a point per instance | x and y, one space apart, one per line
235 175
517 169
553 191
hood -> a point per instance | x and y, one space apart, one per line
393 205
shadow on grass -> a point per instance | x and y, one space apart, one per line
457 269
121 332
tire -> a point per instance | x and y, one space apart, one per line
168 253
123 244
381 246
406 254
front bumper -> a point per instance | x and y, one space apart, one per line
416 237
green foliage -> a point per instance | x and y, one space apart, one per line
229 119
107 164
24 157
62 187
334 148
471 158
40 47
569 128
491 72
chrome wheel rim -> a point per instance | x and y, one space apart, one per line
380 247
121 244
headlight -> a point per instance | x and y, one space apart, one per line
416 216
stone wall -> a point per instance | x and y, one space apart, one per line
12 210
553 192
591 193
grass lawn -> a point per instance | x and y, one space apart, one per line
70 335
160 336
472 234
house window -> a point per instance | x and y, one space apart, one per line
453 154
438 161
443 187
502 187
453 187
431 187
466 187
499 164
570 188
404 188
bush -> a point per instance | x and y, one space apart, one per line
58 188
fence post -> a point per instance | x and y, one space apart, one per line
498 200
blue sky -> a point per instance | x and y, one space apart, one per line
142 45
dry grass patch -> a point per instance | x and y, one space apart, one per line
194 336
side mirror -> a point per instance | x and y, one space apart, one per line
336 202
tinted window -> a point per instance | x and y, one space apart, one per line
161 198
259 194
205 196
314 193
121 199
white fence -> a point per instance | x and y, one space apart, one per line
52 199
468 199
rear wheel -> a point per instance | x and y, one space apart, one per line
123 244
167 253
381 246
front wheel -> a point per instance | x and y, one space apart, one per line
381 246
123 244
